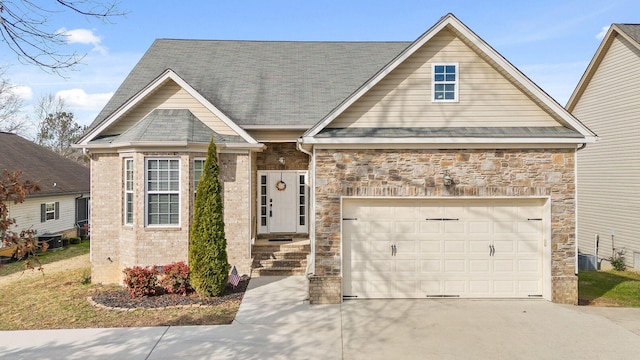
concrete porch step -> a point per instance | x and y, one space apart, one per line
297 255
278 271
280 263
280 259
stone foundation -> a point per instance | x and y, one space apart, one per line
564 290
324 290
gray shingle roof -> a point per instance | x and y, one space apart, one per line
498 132
262 82
170 125
633 30
43 166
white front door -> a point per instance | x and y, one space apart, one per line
282 201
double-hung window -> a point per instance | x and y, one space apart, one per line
128 191
445 82
163 191
198 170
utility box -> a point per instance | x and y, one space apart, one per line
54 240
587 262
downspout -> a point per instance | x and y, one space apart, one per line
575 175
311 267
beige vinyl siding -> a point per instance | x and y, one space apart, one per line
27 214
609 170
169 96
403 98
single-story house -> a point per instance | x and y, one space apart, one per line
61 207
431 168
608 174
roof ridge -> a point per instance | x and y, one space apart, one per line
290 41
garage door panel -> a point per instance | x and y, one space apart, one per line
380 227
455 265
503 266
454 287
431 266
479 247
438 257
479 266
454 227
430 247
480 287
430 227
455 247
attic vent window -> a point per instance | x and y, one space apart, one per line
445 82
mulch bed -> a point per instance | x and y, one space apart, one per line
121 298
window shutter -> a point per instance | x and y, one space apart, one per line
43 213
57 211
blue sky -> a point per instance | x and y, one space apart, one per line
550 41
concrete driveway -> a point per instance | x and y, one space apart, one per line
275 322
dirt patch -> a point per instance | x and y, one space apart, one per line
597 302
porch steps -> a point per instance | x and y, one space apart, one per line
280 259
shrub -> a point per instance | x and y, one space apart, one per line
208 246
617 260
141 281
175 278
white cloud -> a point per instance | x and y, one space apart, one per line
24 92
78 98
602 33
83 36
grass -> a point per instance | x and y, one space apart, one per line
48 257
59 301
609 288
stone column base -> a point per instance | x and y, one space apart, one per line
564 290
324 289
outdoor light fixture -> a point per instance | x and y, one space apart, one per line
447 178
281 160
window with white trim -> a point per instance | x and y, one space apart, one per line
163 191
445 82
49 211
198 171
128 191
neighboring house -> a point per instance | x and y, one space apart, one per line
431 168
62 204
607 99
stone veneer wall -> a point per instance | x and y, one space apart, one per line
419 173
115 246
294 159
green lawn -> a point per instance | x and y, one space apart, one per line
48 257
612 288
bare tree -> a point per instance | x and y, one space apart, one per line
57 130
10 105
24 29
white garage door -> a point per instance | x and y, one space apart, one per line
479 248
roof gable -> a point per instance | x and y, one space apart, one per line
451 23
53 173
97 130
630 32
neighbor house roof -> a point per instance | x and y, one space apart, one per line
261 83
54 174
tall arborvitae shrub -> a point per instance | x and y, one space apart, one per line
208 264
